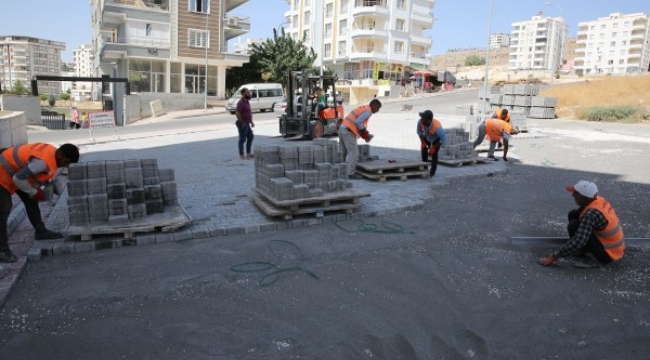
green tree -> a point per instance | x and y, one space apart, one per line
474 60
19 88
282 54
42 97
65 97
51 100
251 72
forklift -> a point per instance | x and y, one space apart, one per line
303 117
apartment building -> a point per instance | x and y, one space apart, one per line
246 47
165 45
23 57
83 59
616 44
538 43
368 43
499 40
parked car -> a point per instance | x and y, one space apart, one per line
263 97
280 106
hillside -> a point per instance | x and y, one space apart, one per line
498 57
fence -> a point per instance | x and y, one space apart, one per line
54 121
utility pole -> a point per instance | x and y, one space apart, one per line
207 45
487 64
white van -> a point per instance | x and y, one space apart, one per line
263 97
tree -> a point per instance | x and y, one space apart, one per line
474 60
282 54
42 97
19 88
51 100
251 72
65 97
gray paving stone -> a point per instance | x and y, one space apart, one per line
200 232
162 237
59 247
268 227
82 246
251 229
295 223
235 230
216 230
34 254
145 239
180 235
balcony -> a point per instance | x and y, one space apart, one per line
370 7
421 40
234 26
360 32
367 54
115 48
426 20
153 5
232 4
116 12
419 56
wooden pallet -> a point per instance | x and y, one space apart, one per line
173 218
346 200
380 167
403 176
461 162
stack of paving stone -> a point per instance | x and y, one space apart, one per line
118 191
457 145
521 98
465 110
300 172
364 153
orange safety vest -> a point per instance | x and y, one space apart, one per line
332 113
494 129
15 158
352 117
612 235
498 112
435 125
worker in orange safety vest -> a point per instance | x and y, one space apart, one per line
495 130
355 125
23 170
594 229
504 115
432 137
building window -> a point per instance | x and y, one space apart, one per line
328 30
592 27
199 38
624 42
615 25
344 7
602 27
626 23
401 4
601 36
343 27
399 47
147 29
342 48
296 4
613 43
307 2
610 62
614 34
400 24
305 35
307 19
329 9
200 6
623 52
328 51
621 61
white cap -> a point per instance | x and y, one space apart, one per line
584 188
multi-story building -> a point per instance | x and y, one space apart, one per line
537 44
23 57
165 45
616 44
83 58
369 43
247 47
499 40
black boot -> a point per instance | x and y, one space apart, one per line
7 256
46 234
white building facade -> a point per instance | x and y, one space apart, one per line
23 57
616 44
368 43
537 44
83 59
499 40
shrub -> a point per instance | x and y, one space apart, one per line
612 113
42 97
474 60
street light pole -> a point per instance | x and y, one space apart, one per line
487 63
207 42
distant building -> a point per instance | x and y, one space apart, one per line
23 57
163 45
616 44
83 58
499 40
538 43
247 47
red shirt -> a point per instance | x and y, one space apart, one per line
244 108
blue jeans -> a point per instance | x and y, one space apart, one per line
245 136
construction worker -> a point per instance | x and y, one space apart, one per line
502 114
496 130
353 126
331 113
432 136
594 228
23 170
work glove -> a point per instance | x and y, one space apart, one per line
423 144
550 260
39 196
365 135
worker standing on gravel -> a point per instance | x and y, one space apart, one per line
353 126
495 130
593 227
23 169
432 136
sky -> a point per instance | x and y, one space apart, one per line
459 23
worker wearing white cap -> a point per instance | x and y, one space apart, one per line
594 228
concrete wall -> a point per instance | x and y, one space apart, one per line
31 105
137 107
13 128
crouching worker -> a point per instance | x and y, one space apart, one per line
432 136
23 170
594 228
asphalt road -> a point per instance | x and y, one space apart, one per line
441 283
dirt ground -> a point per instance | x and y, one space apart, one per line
441 283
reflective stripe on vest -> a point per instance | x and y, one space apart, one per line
611 237
614 245
20 157
349 120
17 160
610 232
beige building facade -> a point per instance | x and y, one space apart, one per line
23 57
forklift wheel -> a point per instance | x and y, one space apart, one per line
316 129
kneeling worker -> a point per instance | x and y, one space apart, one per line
23 169
353 126
496 130
432 136
594 228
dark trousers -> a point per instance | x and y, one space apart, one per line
31 208
593 245
245 136
434 158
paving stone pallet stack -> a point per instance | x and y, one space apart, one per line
122 196
520 98
364 153
457 149
289 178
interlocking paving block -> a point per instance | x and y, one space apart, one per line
169 190
114 165
96 186
135 196
181 235
96 169
145 239
77 171
116 191
162 237
296 176
78 217
166 175
137 211
115 177
34 254
544 101
82 246
216 230
132 163
117 207
200 232
152 192
77 188
133 177
235 230
155 206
